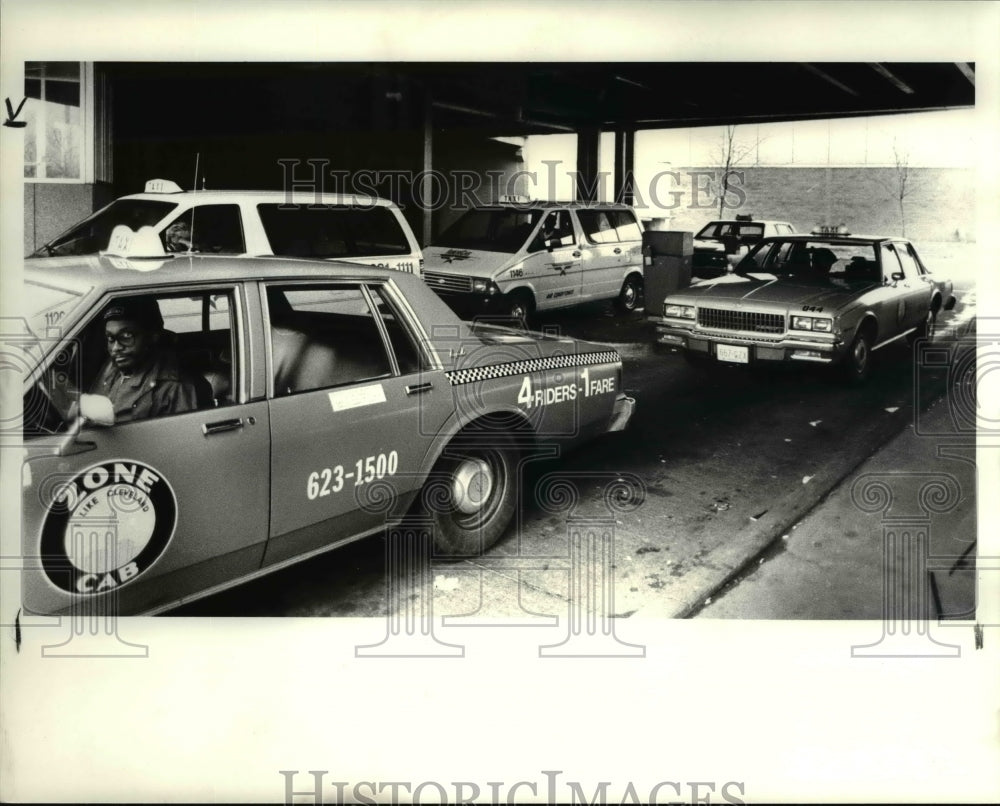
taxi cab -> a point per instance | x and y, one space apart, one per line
828 298
356 229
519 256
331 398
721 244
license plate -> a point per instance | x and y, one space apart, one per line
731 352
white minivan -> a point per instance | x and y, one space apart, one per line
513 258
356 229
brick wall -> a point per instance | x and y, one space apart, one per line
940 205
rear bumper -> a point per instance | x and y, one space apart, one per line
622 413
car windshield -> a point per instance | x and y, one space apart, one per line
731 229
92 234
814 260
492 230
48 308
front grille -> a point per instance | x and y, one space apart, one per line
723 319
448 283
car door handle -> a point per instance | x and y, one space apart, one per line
618 250
576 253
419 388
222 425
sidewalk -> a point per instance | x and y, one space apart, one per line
902 526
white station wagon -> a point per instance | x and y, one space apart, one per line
357 229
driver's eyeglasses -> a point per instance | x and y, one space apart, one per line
126 338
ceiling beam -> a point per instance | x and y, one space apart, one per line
516 118
967 71
897 82
829 79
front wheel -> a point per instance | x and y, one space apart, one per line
629 296
857 364
518 306
473 492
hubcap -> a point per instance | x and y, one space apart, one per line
630 295
471 486
860 354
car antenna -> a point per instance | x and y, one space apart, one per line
197 159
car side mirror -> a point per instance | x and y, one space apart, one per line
896 276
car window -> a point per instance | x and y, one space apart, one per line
323 335
890 261
910 270
597 226
332 231
557 226
750 232
626 226
912 251
152 355
210 228
92 234
410 357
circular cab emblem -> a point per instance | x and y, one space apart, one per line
107 526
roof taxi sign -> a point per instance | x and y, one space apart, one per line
162 186
128 249
830 229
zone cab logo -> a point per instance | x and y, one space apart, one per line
107 526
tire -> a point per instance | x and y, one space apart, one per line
857 362
474 492
629 297
519 306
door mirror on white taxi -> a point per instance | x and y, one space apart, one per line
97 410
897 276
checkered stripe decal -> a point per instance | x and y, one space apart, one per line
459 376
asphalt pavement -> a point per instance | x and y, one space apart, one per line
896 539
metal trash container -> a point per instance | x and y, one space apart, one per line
666 261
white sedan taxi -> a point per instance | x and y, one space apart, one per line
191 422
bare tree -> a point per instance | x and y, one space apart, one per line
730 154
903 181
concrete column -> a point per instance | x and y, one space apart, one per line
624 165
587 146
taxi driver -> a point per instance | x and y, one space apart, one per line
141 377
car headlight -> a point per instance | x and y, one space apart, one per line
814 323
484 287
680 311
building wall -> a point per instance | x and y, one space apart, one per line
51 208
939 205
